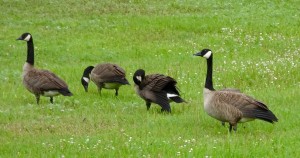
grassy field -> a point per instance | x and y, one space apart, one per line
256 46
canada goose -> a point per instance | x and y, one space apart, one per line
231 105
156 88
40 82
106 75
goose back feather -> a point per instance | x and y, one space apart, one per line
109 73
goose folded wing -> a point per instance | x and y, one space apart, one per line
109 73
47 80
259 110
158 82
249 107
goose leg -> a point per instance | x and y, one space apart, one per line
51 100
223 123
232 126
166 110
148 104
235 128
99 90
117 91
37 99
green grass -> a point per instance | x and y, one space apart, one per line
256 46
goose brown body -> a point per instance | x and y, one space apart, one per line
234 107
231 105
41 82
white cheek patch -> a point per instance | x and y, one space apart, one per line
86 79
169 95
139 78
207 55
27 38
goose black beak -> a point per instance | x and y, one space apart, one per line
20 38
86 88
197 54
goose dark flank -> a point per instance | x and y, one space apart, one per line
40 82
231 105
156 88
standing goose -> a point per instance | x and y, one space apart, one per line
231 105
156 88
40 82
107 76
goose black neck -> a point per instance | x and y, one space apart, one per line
136 81
30 52
87 72
209 80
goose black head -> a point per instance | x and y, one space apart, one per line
25 37
139 76
85 79
206 53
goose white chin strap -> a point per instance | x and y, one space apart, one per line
139 78
27 38
86 79
207 55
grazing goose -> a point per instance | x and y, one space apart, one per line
231 105
156 88
107 76
40 82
